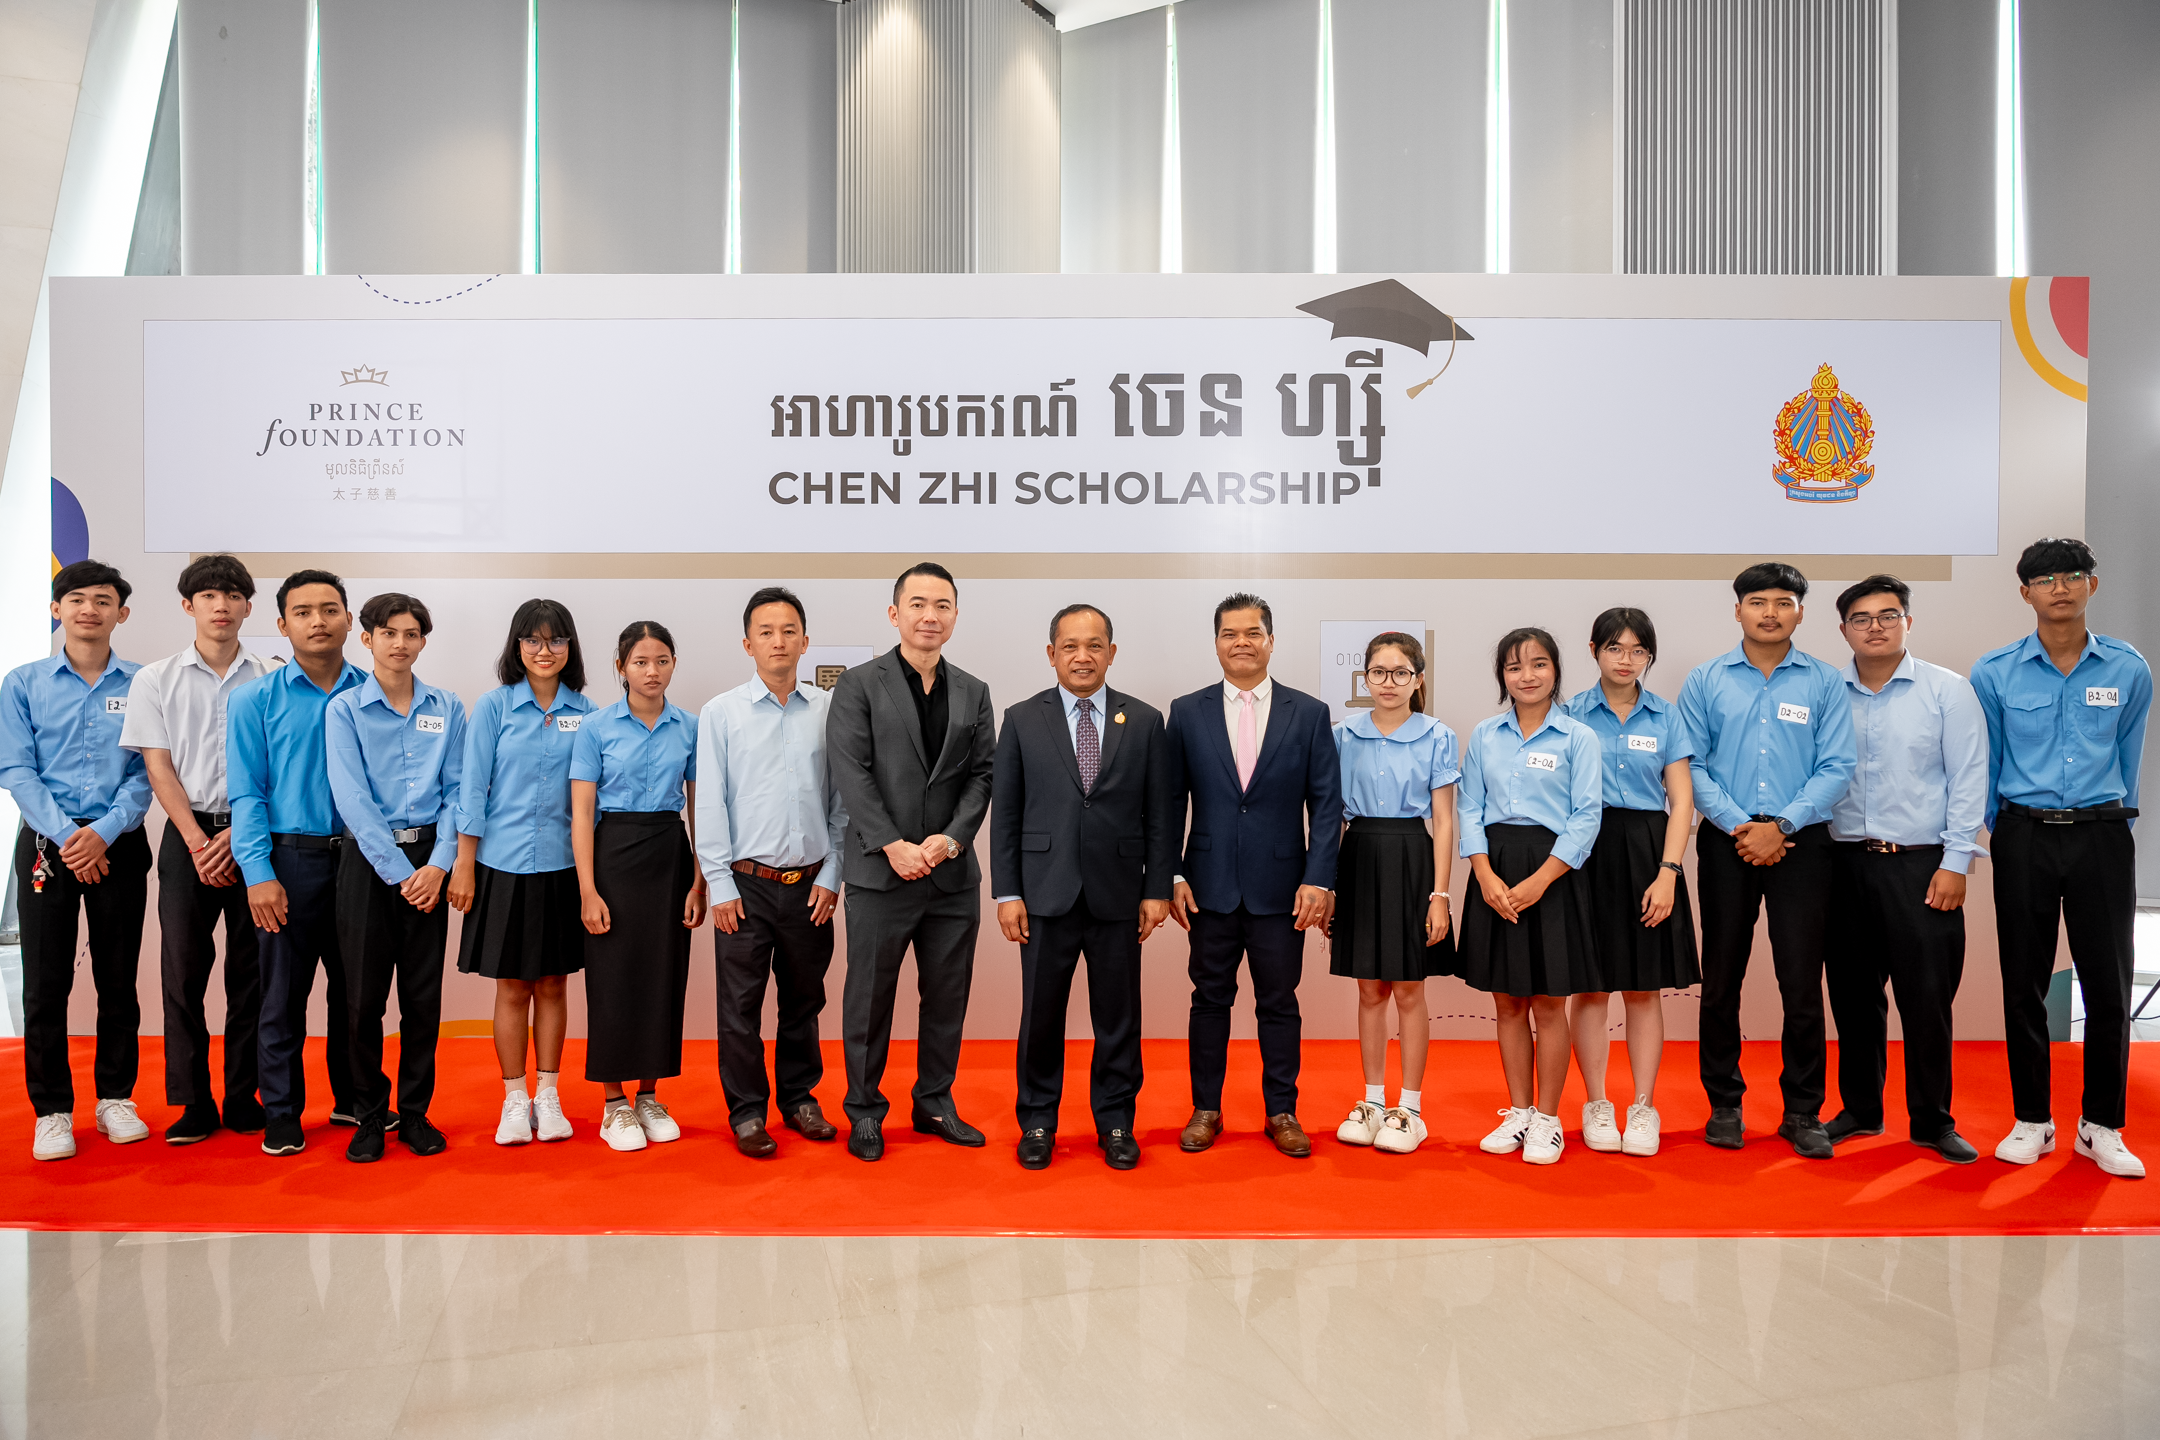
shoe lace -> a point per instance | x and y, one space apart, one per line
620 1117
55 1124
516 1100
650 1104
548 1101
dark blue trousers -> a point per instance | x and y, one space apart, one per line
1273 949
288 974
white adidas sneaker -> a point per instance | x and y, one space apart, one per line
2027 1141
2105 1148
1363 1126
515 1128
1544 1140
1507 1137
1598 1130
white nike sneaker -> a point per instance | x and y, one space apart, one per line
1363 1126
2027 1141
1507 1136
1598 1130
1401 1132
549 1123
2105 1148
1642 1131
653 1119
1544 1140
55 1138
118 1122
619 1127
515 1127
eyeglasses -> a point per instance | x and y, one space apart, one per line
1634 656
1884 621
560 644
2067 580
1397 676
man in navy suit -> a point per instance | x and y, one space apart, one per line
1255 758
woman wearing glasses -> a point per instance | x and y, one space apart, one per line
1645 930
516 879
1390 927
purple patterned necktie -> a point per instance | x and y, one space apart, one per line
1087 746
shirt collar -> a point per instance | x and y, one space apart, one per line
1905 671
1555 719
1072 701
1738 656
1646 700
1261 693
938 676
670 712
1417 727
348 675
371 693
114 665
2033 649
758 692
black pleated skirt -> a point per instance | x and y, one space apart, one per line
1632 955
1552 948
637 974
523 927
1382 887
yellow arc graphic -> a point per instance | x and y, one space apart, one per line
2021 326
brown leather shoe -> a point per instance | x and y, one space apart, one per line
754 1141
1289 1136
809 1122
1200 1131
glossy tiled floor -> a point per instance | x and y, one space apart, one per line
329 1336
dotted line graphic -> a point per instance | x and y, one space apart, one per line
398 300
1610 1029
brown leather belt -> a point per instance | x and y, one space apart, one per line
766 872
1884 847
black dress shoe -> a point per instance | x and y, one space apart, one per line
420 1136
282 1135
1036 1147
948 1127
754 1140
1843 1127
1120 1149
1809 1140
244 1116
1725 1130
367 1142
867 1140
196 1123
1952 1146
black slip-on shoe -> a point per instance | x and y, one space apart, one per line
1952 1146
282 1135
1725 1130
1809 1140
866 1140
198 1122
1843 1126
1036 1148
948 1127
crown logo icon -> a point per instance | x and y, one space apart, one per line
1823 437
364 375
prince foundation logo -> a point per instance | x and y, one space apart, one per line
1823 438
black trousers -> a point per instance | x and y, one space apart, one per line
881 925
775 940
1797 890
289 958
114 909
383 938
2084 878
188 915
1054 947
1274 949
1882 932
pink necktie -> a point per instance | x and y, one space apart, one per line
1248 739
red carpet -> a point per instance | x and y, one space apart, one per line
1240 1188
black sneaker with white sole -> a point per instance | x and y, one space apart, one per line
283 1136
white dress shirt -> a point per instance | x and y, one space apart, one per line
1922 772
178 704
765 791
1263 696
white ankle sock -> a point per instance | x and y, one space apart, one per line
1376 1094
1411 1100
514 1086
547 1079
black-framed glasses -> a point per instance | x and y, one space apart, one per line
1883 621
1401 675
560 644
2064 580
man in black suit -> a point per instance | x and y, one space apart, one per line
1255 758
1082 844
910 739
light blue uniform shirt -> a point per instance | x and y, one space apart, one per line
1637 750
767 794
2063 742
1392 777
1921 778
515 792
1551 778
60 754
396 772
1781 747
637 768
277 772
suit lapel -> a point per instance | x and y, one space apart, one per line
898 676
1278 729
1053 719
1111 706
957 714
1218 734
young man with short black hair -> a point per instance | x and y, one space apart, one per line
2066 713
1773 752
176 722
80 849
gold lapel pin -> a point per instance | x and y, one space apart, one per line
1118 719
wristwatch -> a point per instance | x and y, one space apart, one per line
1672 865
1785 826
952 848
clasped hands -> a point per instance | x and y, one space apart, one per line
1760 842
911 861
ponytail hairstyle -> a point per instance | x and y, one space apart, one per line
1412 651
626 642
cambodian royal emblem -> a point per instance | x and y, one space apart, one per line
1823 439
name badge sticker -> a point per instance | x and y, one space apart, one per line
430 724
117 704
2094 695
1642 742
568 724
1793 714
1532 760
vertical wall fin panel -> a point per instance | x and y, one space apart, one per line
1560 135
243 115
1246 116
1111 143
1410 134
788 178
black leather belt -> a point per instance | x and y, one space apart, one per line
308 842
213 823
1884 847
2089 815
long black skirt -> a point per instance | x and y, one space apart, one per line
523 927
1632 955
1382 888
637 974
1552 948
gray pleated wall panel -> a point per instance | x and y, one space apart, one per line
1247 111
902 116
1560 134
1112 143
1013 137
243 126
1410 80
787 134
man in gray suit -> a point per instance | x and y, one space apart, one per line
911 742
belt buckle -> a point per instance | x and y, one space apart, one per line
407 836
1879 847
789 877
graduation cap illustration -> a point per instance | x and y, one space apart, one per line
1390 310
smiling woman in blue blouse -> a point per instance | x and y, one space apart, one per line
515 878
1529 807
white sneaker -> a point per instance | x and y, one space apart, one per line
619 1127
515 1127
2027 1141
2105 1148
1642 1131
1363 1126
1598 1130
1401 1132
55 1138
1544 1140
1507 1136
549 1123
118 1122
653 1119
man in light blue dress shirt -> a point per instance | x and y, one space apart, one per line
1905 832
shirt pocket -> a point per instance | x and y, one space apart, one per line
2097 722
2029 716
